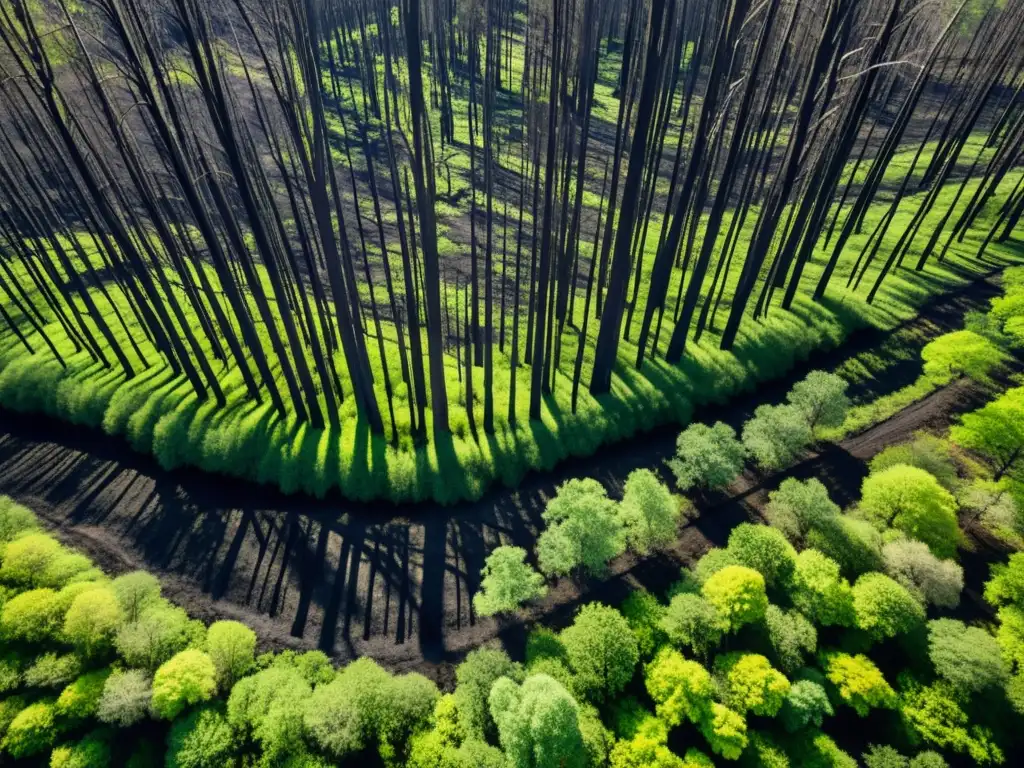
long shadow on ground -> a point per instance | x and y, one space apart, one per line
396 583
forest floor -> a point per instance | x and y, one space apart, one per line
396 582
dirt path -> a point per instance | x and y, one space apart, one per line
392 583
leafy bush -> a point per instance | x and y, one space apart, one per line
937 582
884 609
814 749
776 435
821 398
995 432
160 632
692 622
32 730
506 582
764 549
855 544
925 451
602 651
267 707
474 678
911 500
232 647
15 520
335 722
52 670
649 511
806 704
798 506
725 731
645 615
710 563
32 617
681 689
26 559
136 591
707 457
126 698
187 678
538 723
1006 587
750 683
738 596
584 530
791 636
879 756
90 752
859 682
968 657
80 700
641 752
820 592
92 621
200 739
933 714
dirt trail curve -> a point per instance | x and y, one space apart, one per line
391 582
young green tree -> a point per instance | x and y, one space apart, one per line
859 683
798 506
645 616
791 636
934 714
602 651
682 690
707 457
924 451
136 591
764 549
1006 585
474 678
649 511
232 646
968 657
995 432
506 582
821 398
806 704
200 738
126 698
267 708
584 530
188 678
538 723
749 683
884 609
692 622
776 435
937 582
962 353
725 731
911 500
92 622
737 594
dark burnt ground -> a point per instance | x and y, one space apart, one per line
396 583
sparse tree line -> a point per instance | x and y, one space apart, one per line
259 195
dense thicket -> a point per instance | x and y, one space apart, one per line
360 210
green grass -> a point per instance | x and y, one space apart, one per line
157 413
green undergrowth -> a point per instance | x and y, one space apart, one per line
158 413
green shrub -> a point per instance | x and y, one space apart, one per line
649 511
474 678
763 752
538 723
707 457
602 651
968 657
12 670
232 647
806 704
962 353
681 689
126 698
80 700
928 760
15 520
267 707
776 435
884 609
934 715
53 671
33 730
879 756
995 432
584 530
335 722
200 739
692 622
911 500
791 636
738 596
925 451
25 560
93 751
506 582
764 549
32 617
92 621
136 591
9 709
1006 587
725 731
710 563
749 683
858 682
936 582
821 398
855 544
160 632
644 614
641 752
314 666
185 679
814 749
798 506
